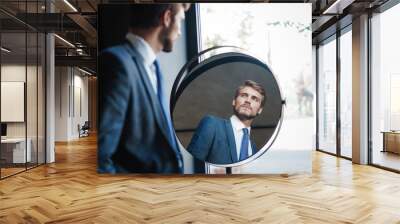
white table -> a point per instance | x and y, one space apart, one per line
18 149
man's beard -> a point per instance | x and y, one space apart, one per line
244 117
166 40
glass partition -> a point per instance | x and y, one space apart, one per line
22 88
346 93
327 95
15 151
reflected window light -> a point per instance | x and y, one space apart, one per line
70 5
5 50
85 72
64 40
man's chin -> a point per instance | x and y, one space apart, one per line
243 116
167 46
167 50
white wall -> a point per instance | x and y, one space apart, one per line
61 103
79 117
12 73
70 84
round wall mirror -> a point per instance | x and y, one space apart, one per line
226 107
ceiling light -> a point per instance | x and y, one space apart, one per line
5 50
70 5
79 51
65 41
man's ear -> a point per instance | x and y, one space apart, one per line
233 102
166 18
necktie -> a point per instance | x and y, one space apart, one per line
165 108
244 148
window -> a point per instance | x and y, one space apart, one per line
385 88
280 35
346 93
327 96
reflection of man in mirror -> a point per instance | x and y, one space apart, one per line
135 128
222 141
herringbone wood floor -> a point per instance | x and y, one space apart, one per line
70 191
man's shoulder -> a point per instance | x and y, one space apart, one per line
118 58
213 119
122 51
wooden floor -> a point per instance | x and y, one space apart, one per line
70 191
10 171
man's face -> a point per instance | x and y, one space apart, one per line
170 33
247 104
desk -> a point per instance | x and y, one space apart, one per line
13 150
391 141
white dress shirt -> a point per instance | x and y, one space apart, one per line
237 127
147 55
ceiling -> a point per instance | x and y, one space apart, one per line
76 22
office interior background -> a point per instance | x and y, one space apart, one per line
349 101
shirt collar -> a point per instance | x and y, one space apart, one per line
144 49
237 125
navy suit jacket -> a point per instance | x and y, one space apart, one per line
214 141
133 132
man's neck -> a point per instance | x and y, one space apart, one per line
245 122
150 36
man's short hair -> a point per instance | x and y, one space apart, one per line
148 15
259 88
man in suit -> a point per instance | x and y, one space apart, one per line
135 129
221 141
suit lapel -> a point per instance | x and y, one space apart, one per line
158 113
231 141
